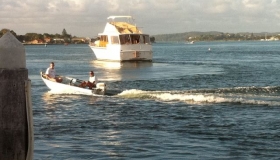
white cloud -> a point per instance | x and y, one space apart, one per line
88 17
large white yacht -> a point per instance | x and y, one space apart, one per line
122 41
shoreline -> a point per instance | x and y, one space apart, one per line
52 44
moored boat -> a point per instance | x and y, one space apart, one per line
72 85
122 41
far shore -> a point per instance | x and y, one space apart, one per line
51 43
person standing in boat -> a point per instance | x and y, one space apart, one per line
91 82
50 74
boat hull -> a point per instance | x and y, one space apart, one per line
118 54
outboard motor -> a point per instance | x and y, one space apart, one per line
100 88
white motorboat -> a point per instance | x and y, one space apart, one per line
122 41
71 85
190 42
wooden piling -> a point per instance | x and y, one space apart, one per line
13 117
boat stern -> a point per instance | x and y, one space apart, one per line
134 55
100 89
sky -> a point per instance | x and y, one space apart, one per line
87 18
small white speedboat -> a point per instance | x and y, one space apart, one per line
72 85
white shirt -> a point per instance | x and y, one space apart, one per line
92 79
51 72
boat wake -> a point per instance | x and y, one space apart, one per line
268 96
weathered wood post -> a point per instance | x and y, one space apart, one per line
15 122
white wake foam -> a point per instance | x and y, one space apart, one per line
200 98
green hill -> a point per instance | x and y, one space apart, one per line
213 36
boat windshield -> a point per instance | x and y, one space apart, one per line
103 41
114 40
134 39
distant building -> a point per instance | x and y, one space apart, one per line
36 41
47 40
80 40
58 40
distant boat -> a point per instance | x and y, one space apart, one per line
122 41
190 42
270 39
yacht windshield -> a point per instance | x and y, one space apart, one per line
134 39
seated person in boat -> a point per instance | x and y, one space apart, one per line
50 74
91 82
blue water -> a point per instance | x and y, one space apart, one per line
189 103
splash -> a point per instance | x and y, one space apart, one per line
209 97
135 93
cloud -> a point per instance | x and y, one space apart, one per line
88 17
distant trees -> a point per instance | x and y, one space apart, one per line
152 39
33 36
214 36
3 31
64 37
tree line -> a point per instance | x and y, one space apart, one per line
64 37
216 36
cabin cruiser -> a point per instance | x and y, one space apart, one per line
122 41
72 85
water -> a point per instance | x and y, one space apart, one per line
189 103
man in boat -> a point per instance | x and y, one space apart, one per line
50 74
91 82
